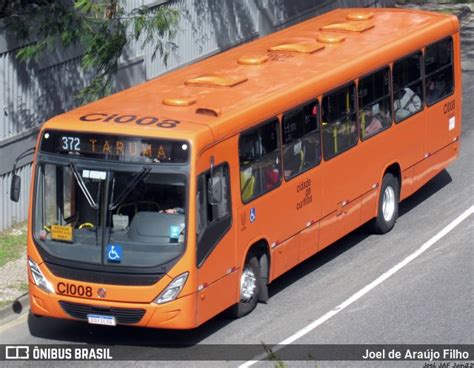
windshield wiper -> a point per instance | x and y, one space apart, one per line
129 188
83 186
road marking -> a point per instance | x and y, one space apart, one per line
367 288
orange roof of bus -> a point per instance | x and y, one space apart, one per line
300 68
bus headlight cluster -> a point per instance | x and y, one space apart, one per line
39 278
172 291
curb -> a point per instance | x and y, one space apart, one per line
19 306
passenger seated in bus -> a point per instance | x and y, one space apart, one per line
407 104
271 176
293 158
375 125
435 89
173 203
247 183
375 120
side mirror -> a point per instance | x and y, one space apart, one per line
15 188
214 190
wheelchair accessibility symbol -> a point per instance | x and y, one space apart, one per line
114 253
253 215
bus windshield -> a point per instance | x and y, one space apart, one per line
116 218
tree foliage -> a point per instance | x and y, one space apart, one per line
102 28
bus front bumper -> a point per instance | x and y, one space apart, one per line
177 314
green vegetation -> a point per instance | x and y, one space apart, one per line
12 244
4 303
100 28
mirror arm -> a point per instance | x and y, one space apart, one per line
28 152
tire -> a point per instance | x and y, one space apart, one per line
249 289
387 212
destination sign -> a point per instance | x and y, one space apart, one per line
113 147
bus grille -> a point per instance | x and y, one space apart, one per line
122 315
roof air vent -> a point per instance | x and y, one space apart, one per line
209 111
253 59
349 26
330 38
179 101
214 80
305 48
359 16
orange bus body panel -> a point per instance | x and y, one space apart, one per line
243 87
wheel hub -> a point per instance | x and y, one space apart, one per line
248 284
388 203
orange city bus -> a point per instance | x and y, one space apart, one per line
170 202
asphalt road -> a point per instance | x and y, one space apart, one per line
428 301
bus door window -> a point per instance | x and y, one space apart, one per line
50 207
439 71
59 192
212 220
301 139
68 195
407 87
374 103
260 167
339 123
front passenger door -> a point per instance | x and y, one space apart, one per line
215 255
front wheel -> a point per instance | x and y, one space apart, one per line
387 212
248 287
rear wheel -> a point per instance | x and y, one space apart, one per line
388 205
249 288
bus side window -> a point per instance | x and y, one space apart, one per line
339 123
439 71
407 87
212 220
374 103
301 139
260 168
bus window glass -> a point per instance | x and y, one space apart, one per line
259 153
143 214
407 87
301 139
212 220
374 103
68 207
339 124
439 71
49 193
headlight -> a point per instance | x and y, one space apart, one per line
173 289
39 278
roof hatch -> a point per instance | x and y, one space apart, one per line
349 26
253 59
359 16
301 47
182 101
330 38
215 80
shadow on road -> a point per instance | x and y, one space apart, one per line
357 236
80 332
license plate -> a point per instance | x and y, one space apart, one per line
97 319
